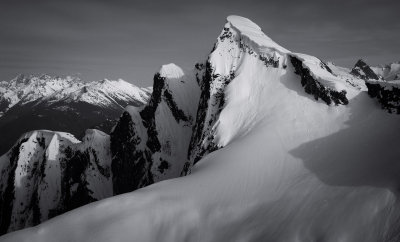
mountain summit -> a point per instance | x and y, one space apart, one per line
275 145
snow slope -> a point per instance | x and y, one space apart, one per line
283 165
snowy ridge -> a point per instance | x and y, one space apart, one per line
22 90
244 54
252 33
345 75
266 160
381 83
323 74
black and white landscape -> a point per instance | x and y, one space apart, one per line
254 143
62 103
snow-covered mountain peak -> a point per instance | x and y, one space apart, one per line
171 71
49 135
243 23
254 34
22 90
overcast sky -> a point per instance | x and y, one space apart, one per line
132 39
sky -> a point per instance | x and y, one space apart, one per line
131 39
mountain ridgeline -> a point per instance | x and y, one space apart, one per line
63 104
383 83
185 118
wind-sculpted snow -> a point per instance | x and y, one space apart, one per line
236 58
265 160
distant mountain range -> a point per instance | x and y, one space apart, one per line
65 104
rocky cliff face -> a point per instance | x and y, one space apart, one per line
48 173
150 144
387 93
364 71
382 83
315 88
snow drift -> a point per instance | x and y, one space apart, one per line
284 148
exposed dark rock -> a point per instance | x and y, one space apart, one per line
75 192
389 98
7 198
315 88
164 165
202 128
269 61
226 34
323 65
178 114
202 109
363 71
4 103
130 166
148 113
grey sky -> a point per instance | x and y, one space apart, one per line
132 39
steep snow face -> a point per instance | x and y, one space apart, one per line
47 173
242 59
155 138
